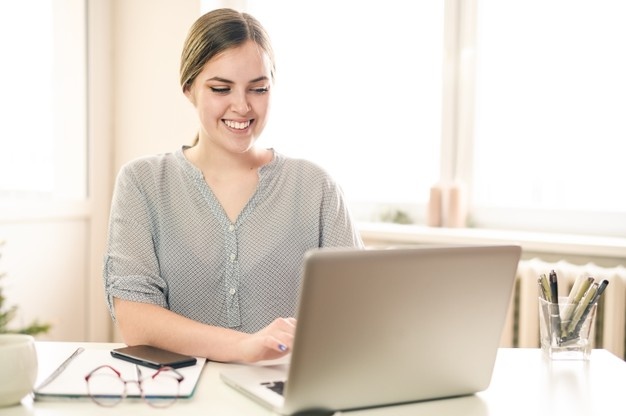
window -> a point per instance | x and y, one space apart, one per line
549 111
521 102
358 91
43 143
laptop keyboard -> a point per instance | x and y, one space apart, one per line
276 386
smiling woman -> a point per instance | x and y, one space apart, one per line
43 145
206 242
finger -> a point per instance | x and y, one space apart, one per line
276 344
286 324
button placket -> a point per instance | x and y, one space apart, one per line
232 278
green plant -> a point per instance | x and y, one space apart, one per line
7 313
396 216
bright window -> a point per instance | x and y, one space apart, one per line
359 91
43 143
549 114
520 101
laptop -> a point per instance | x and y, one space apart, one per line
378 327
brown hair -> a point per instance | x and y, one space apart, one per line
215 32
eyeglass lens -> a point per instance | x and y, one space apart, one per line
107 388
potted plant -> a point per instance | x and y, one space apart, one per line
8 312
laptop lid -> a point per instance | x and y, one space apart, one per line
388 326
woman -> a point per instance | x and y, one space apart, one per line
206 244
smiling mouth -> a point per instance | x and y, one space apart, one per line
238 125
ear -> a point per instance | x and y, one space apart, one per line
187 90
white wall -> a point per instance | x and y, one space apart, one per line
150 111
45 263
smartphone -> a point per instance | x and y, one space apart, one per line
153 357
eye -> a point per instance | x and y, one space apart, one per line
261 90
220 90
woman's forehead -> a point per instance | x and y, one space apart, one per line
245 62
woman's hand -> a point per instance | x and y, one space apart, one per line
273 341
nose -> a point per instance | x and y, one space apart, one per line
240 102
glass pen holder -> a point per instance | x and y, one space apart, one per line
565 334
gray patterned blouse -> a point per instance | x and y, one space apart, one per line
171 244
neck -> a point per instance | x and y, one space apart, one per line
218 160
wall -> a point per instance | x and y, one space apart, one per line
45 263
151 113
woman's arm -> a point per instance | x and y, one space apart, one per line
144 323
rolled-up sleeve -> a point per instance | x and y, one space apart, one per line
131 268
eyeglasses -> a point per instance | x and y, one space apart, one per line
106 387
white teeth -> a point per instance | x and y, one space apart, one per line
237 125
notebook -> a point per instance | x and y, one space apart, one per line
389 326
72 362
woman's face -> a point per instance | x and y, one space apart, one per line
232 97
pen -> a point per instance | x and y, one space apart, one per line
593 301
576 294
60 368
542 292
601 288
581 308
555 313
580 282
545 287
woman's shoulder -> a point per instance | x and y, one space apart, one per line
306 166
305 173
147 163
150 170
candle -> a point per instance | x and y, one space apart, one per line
457 209
434 217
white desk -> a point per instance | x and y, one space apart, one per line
524 383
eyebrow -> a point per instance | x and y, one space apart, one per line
227 81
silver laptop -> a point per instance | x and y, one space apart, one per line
389 326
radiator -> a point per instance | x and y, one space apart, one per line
522 323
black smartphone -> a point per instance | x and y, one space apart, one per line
153 357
